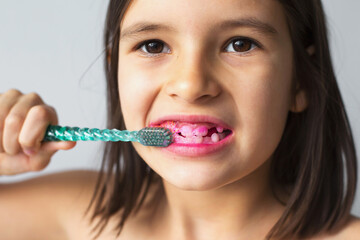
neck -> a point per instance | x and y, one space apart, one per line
238 207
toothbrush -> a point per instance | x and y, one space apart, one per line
148 136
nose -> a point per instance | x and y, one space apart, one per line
192 80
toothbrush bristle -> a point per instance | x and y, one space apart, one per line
155 136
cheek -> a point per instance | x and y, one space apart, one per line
263 104
136 91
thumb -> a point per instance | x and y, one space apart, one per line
52 147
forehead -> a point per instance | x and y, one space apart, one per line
199 15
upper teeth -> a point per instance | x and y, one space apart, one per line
219 129
200 131
190 129
186 131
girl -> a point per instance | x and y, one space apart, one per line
264 149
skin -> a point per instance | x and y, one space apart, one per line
222 196
199 72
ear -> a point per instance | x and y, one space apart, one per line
108 56
301 101
310 50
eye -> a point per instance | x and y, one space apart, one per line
241 45
152 47
155 47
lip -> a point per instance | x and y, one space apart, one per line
196 150
191 119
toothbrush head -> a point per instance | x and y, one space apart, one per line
155 136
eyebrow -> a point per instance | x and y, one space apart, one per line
254 23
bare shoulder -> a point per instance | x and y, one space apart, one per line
73 191
350 231
57 188
46 204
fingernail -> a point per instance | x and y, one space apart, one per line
29 151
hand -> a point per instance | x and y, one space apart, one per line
24 119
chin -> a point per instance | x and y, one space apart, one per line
191 182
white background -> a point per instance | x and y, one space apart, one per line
54 48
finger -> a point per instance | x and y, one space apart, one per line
15 164
11 93
14 121
52 147
7 100
34 127
20 163
42 158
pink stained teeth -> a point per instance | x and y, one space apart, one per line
196 133
198 139
201 131
215 137
186 131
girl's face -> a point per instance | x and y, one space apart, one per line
227 59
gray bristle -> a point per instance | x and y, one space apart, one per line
155 136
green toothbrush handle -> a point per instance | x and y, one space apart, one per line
147 136
59 133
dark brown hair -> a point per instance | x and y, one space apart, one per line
315 161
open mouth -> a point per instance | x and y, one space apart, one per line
195 133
